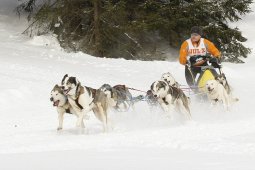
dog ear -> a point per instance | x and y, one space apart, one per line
72 80
111 93
65 76
152 85
149 92
224 75
56 86
76 81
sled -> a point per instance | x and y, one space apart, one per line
207 73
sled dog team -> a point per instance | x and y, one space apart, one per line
74 98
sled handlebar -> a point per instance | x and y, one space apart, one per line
214 61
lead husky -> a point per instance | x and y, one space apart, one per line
171 97
99 106
60 100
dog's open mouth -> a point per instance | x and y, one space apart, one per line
66 91
210 90
55 103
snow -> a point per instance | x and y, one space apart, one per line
30 67
45 40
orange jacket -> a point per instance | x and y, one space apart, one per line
209 46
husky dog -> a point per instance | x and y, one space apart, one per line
99 106
168 77
217 93
171 97
151 100
119 96
223 80
60 101
80 97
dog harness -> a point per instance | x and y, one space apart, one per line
175 92
80 90
77 95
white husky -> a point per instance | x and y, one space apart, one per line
217 93
168 77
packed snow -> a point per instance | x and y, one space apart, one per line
140 139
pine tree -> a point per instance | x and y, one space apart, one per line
138 29
27 6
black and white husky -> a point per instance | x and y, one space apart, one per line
84 99
60 100
223 80
170 98
79 97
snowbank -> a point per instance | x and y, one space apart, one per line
45 40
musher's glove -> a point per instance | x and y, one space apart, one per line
215 62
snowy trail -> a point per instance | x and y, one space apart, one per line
128 159
28 71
